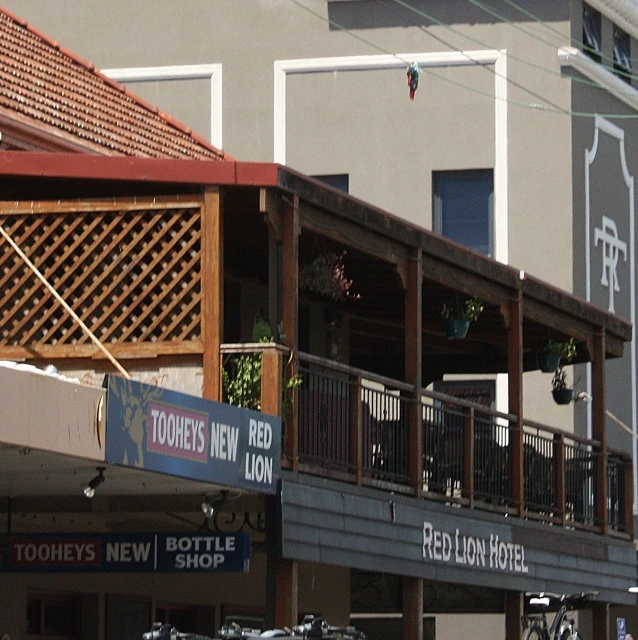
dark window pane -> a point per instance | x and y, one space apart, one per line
336 180
622 54
462 203
591 33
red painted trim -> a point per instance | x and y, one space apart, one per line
132 169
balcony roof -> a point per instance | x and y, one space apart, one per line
381 236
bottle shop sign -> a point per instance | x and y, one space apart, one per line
181 552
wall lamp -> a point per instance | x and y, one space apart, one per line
94 483
208 507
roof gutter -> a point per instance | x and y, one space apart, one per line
134 169
623 13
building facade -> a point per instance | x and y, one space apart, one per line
511 119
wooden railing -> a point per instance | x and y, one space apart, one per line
354 426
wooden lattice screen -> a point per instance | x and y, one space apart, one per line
130 269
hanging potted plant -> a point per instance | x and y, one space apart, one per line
561 391
459 315
550 355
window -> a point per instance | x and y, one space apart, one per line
337 180
54 616
622 54
591 33
463 207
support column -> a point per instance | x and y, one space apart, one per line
286 593
600 621
515 392
599 432
513 615
412 590
212 292
413 367
290 284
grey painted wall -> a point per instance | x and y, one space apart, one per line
323 522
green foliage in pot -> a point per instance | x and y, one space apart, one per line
565 350
470 310
241 381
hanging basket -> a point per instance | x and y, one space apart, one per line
563 396
456 329
548 362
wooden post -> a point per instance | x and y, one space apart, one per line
468 455
515 390
412 590
599 431
513 615
286 592
290 284
559 474
413 369
600 621
356 430
212 292
271 378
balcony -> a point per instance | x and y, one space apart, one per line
355 426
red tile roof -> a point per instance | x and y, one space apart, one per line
50 90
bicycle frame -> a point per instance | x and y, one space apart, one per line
561 621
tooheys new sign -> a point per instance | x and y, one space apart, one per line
179 552
161 430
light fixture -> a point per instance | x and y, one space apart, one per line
633 589
89 490
208 507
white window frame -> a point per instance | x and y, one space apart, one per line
213 72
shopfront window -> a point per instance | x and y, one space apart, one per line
53 615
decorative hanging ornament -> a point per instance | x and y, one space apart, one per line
413 78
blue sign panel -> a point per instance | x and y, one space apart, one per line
179 552
161 430
621 628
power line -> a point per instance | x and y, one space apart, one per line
524 61
503 19
487 68
528 105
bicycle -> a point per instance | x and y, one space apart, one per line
562 627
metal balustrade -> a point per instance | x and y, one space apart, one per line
360 425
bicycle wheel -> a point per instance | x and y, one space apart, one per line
535 633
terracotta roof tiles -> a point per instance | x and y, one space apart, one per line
48 88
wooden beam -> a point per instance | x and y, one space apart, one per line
412 592
84 205
464 282
352 235
513 615
515 395
270 207
212 287
599 432
122 351
413 366
290 284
